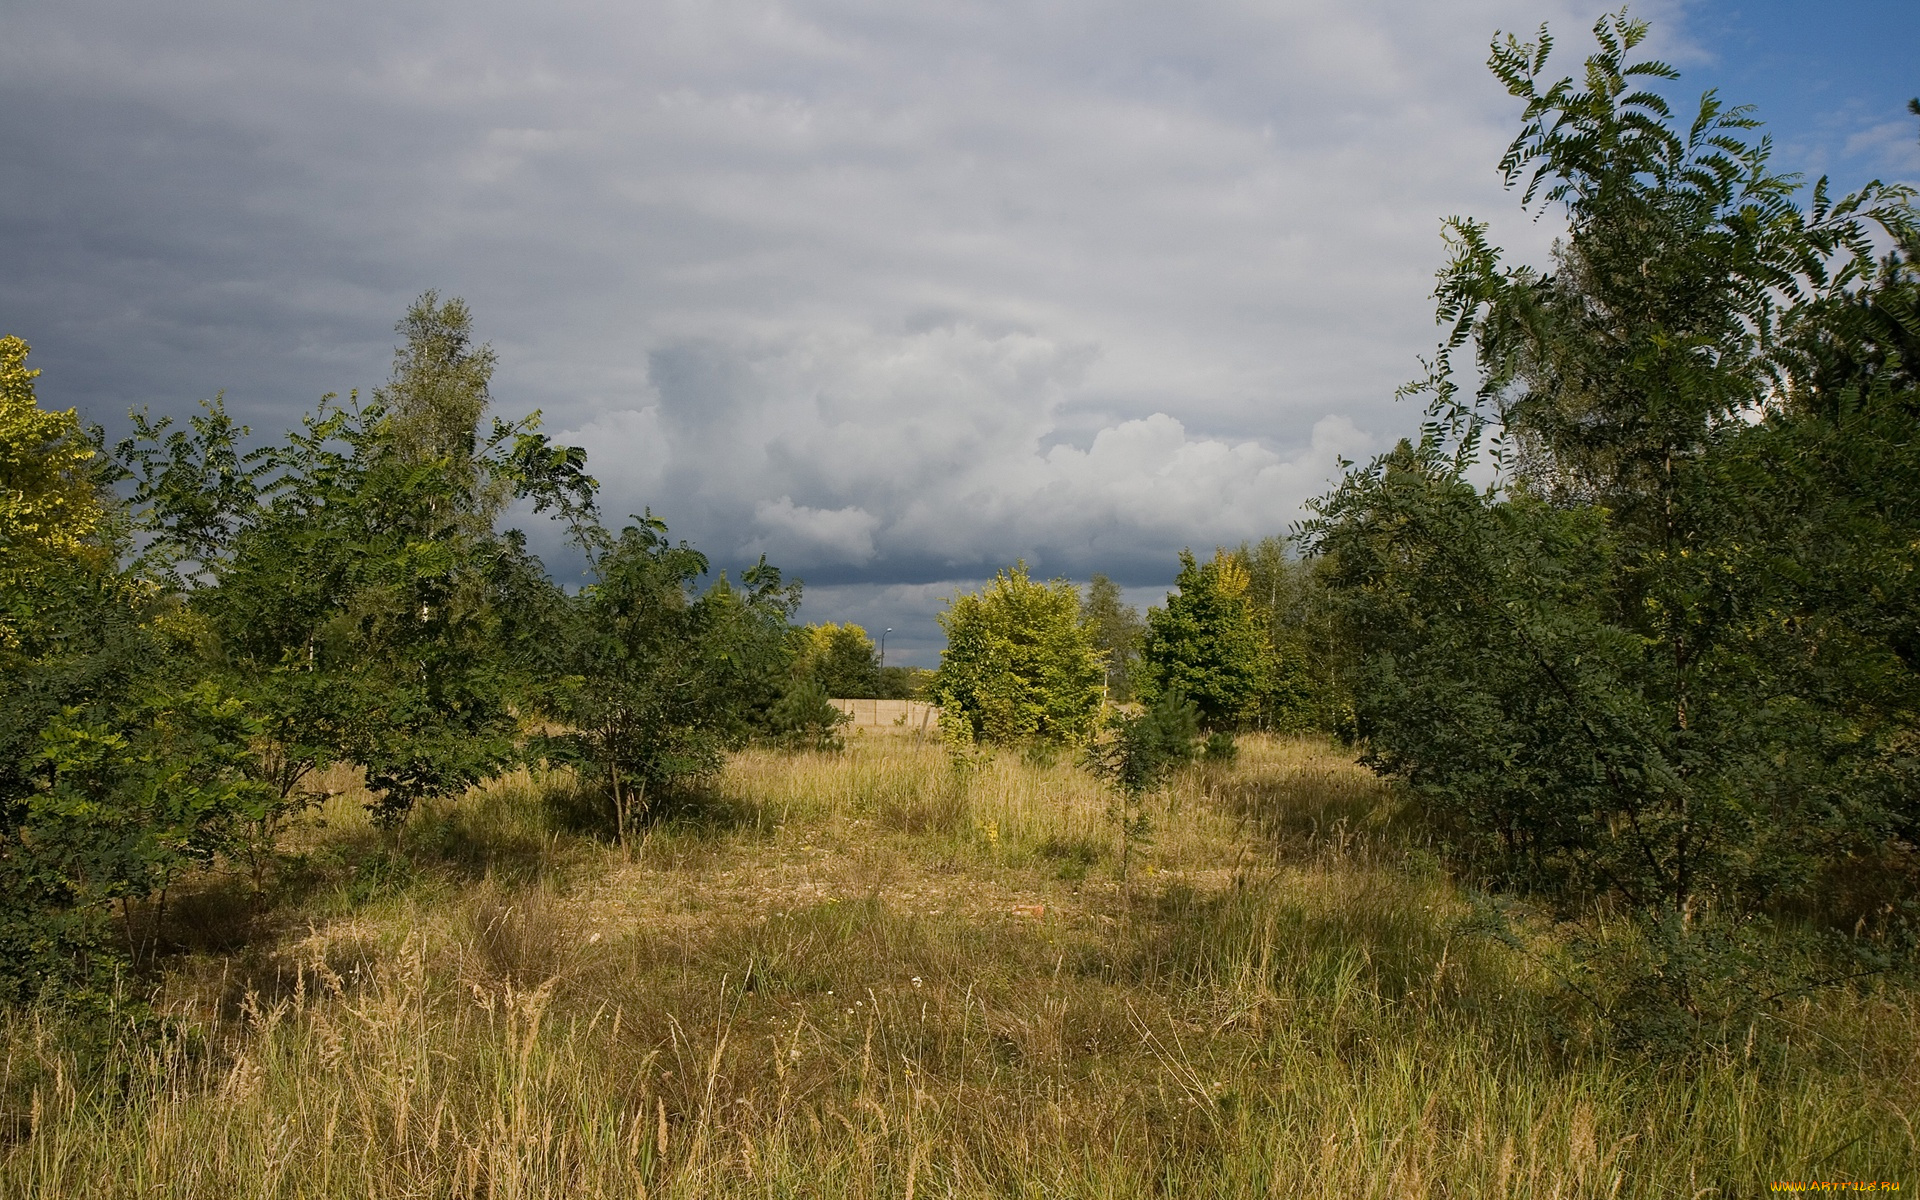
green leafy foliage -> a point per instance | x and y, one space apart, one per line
340 596
657 679
1138 751
119 768
846 663
1305 649
1207 645
1666 660
1117 632
842 659
132 797
51 510
805 718
904 683
1135 754
1019 666
349 580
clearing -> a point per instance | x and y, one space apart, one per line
878 974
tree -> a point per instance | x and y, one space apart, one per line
660 680
904 683
52 508
805 718
349 580
1019 665
1835 531
1207 644
1615 672
840 658
1290 604
342 595
134 790
1135 755
119 766
439 389
1117 630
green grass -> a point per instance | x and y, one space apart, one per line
870 975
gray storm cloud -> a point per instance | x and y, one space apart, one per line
893 294
928 452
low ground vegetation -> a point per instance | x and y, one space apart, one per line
871 973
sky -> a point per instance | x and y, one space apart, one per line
892 293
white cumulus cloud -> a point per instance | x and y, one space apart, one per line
835 535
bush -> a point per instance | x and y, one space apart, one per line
805 719
1019 665
1207 645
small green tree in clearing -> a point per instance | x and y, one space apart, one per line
659 679
1117 630
1135 755
1207 645
1019 665
842 659
805 718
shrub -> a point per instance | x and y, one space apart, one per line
1019 664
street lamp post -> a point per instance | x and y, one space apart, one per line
883 646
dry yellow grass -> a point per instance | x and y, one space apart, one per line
870 975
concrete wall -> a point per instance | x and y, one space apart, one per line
911 716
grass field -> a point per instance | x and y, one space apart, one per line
869 974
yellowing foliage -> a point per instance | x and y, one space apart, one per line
1232 577
815 642
49 504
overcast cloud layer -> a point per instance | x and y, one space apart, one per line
892 293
